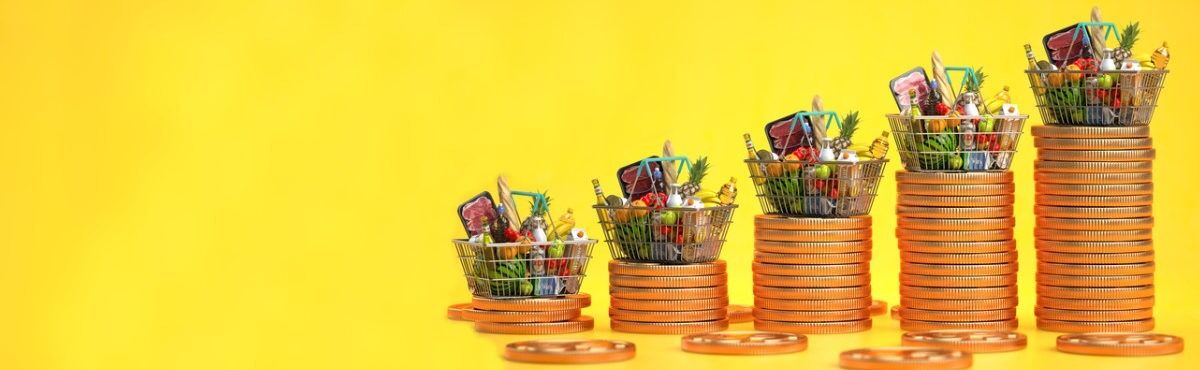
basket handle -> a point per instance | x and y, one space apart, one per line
645 164
833 117
538 199
1110 28
969 75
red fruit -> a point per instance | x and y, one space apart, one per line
511 235
819 184
679 238
941 108
833 193
996 146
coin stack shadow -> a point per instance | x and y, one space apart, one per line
958 258
1094 228
544 316
650 298
812 275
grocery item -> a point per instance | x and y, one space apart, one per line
570 351
1160 57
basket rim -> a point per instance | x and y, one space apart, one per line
901 115
1147 71
861 161
517 244
685 209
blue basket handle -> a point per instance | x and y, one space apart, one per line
968 75
1110 28
538 198
833 117
646 165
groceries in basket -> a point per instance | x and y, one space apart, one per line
946 129
1085 81
664 216
507 256
809 172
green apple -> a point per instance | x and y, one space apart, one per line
1105 81
822 171
668 217
956 162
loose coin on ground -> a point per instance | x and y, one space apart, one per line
904 358
878 307
974 341
570 351
1120 344
744 343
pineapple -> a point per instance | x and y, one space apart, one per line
1129 37
977 83
692 186
849 126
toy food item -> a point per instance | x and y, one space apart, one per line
879 147
943 81
1066 45
1160 57
474 211
912 81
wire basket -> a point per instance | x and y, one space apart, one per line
939 143
797 188
523 270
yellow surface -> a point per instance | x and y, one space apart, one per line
253 184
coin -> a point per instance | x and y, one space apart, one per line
1093 270
957 270
570 301
958 293
878 307
1090 132
667 293
1093 212
668 316
894 312
1093 315
974 341
520 316
1120 344
669 327
904 358
958 304
954 178
1096 304
828 327
953 201
1097 326
1141 291
1109 281
669 305
812 293
812 247
1094 190
812 258
957 315
955 189
1092 167
956 224
1093 144
777 222
957 281
739 314
957 247
454 312
578 324
812 235
698 281
811 281
1095 258
915 325
1139 223
1094 178
655 269
959 258
1094 247
744 343
1086 201
811 316
570 351
954 212
954 236
810 270
1091 235
1135 155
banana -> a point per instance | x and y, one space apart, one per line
998 101
706 194
565 223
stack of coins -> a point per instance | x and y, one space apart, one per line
1094 225
529 315
812 275
958 258
652 298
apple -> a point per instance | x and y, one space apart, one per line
822 171
956 162
1105 81
668 217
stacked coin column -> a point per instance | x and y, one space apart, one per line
1095 256
958 258
652 298
812 275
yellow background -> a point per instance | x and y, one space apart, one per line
269 185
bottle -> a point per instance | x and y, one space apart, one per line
967 129
539 230
1160 57
1037 77
756 170
914 107
934 97
501 225
879 147
674 200
602 202
969 107
1107 64
827 151
485 239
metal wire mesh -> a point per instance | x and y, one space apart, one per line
665 235
522 270
807 189
938 143
1097 98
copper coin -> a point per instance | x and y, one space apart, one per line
744 343
1102 201
813 304
1091 235
1120 344
669 305
954 212
956 224
958 293
1108 281
698 281
454 312
655 269
954 236
1091 167
571 301
811 281
957 247
812 258
1096 304
958 270
957 315
1093 144
829 327
957 281
667 293
1093 212
1093 315
520 316
777 222
812 235
1136 155
894 312
1094 247
959 258
916 325
668 316
811 316
958 304
669 327
1093 270
812 293
1094 190
810 270
570 351
739 314
1096 326
878 307
1094 178
578 324
1095 258
955 189
904 358
954 178
953 201
1141 291
974 341
812 247
1090 132
1139 223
